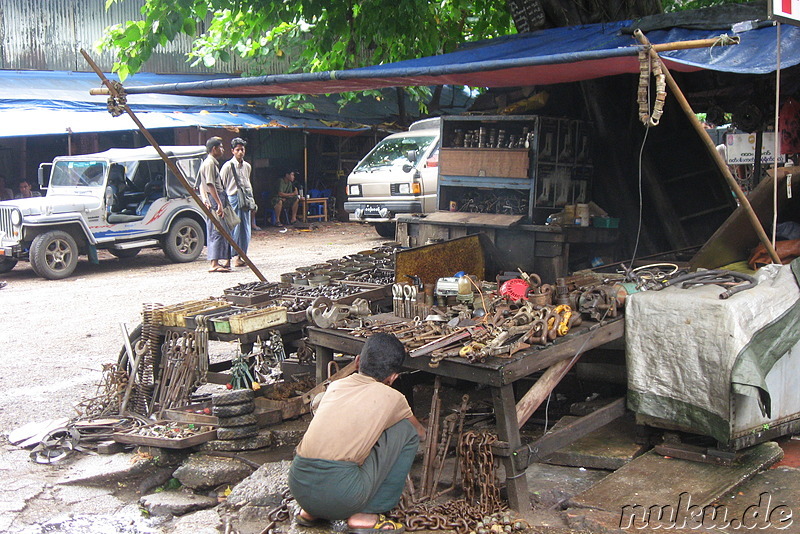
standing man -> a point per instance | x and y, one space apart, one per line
25 190
287 197
235 175
354 458
213 194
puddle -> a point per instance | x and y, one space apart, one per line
120 523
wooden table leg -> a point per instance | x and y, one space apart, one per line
508 431
324 356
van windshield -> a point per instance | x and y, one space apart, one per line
394 152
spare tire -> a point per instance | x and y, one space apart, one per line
234 396
236 432
233 410
239 420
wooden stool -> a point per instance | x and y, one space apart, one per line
306 203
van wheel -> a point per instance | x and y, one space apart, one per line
184 241
6 264
54 255
385 229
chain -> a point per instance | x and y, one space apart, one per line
482 495
278 514
108 394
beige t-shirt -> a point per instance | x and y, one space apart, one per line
351 417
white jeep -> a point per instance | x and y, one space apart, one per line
121 200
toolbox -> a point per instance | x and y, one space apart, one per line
242 323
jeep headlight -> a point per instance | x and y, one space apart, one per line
16 217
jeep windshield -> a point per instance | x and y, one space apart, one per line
78 173
394 152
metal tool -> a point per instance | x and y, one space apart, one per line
409 301
397 299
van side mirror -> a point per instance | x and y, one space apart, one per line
44 174
407 167
411 156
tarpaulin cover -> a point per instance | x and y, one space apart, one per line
543 57
689 352
54 102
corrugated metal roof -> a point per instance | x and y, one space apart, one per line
47 35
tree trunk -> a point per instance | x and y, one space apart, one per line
530 15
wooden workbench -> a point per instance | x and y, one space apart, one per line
497 373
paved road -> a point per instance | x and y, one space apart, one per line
55 336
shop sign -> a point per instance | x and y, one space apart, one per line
741 148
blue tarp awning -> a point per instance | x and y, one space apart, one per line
543 57
57 102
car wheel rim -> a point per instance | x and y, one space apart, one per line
187 240
58 255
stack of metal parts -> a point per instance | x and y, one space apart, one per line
147 358
183 368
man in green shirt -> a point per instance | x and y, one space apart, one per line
287 197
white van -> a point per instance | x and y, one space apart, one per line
398 176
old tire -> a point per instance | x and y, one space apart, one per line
239 420
233 410
6 264
386 229
234 396
236 432
54 255
124 253
184 241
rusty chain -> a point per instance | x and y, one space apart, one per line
482 495
278 514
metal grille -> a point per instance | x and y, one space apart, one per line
5 221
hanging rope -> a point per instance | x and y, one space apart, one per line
646 67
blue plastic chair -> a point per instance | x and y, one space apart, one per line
269 212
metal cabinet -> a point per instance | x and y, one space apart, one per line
513 165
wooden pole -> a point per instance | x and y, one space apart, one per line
535 396
712 150
697 43
174 168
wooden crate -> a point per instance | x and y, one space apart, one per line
175 315
490 162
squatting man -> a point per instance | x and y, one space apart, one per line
357 452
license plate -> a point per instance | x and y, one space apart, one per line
372 211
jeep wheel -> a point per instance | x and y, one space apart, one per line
124 253
184 241
54 255
6 264
385 229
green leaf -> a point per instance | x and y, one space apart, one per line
123 71
133 32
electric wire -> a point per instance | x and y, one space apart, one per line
639 226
